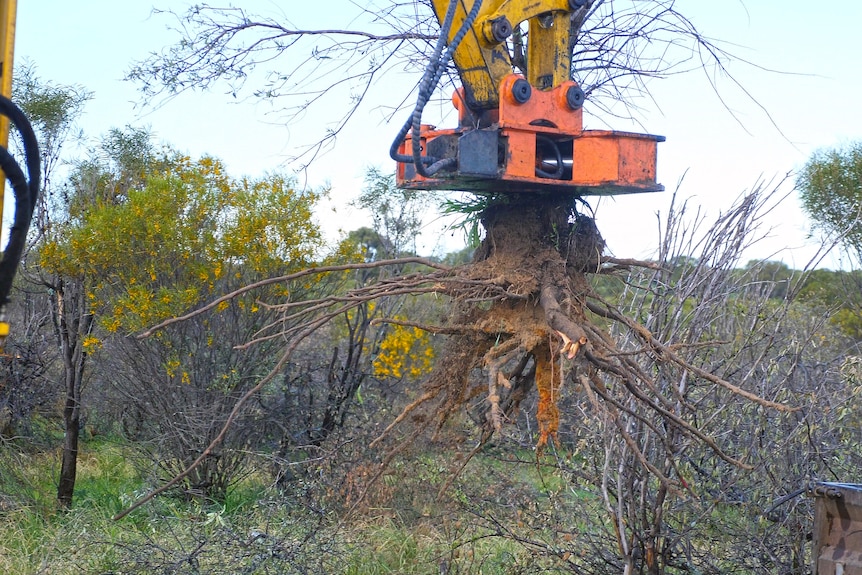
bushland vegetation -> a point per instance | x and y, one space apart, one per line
197 384
301 482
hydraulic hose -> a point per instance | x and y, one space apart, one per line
430 79
552 146
26 191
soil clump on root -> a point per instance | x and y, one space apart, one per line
520 321
520 310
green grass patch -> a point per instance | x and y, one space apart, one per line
258 530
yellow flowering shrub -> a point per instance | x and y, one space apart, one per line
406 351
158 250
91 343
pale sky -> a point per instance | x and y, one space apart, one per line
812 99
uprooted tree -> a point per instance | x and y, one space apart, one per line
525 317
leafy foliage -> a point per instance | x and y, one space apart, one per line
830 186
149 234
398 213
469 210
838 295
52 110
154 251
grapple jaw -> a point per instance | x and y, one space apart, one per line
536 143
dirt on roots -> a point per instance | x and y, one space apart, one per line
519 311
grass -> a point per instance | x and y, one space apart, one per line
506 513
389 548
414 535
34 533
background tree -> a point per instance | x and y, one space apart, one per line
398 214
53 111
155 239
70 286
830 186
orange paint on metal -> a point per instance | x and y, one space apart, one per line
602 156
543 109
521 156
542 129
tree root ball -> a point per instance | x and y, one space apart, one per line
520 311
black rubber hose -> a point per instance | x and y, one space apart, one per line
432 169
26 191
31 145
426 85
558 157
433 73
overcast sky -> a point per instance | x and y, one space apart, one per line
806 88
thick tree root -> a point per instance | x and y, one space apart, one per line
538 252
521 323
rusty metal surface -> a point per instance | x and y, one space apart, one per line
536 144
596 162
837 529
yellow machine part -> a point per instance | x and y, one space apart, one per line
8 12
484 62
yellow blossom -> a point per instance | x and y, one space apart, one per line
404 351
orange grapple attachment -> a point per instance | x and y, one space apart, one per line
534 142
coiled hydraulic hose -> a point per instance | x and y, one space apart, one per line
430 79
26 191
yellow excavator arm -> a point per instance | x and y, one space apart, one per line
8 11
483 57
